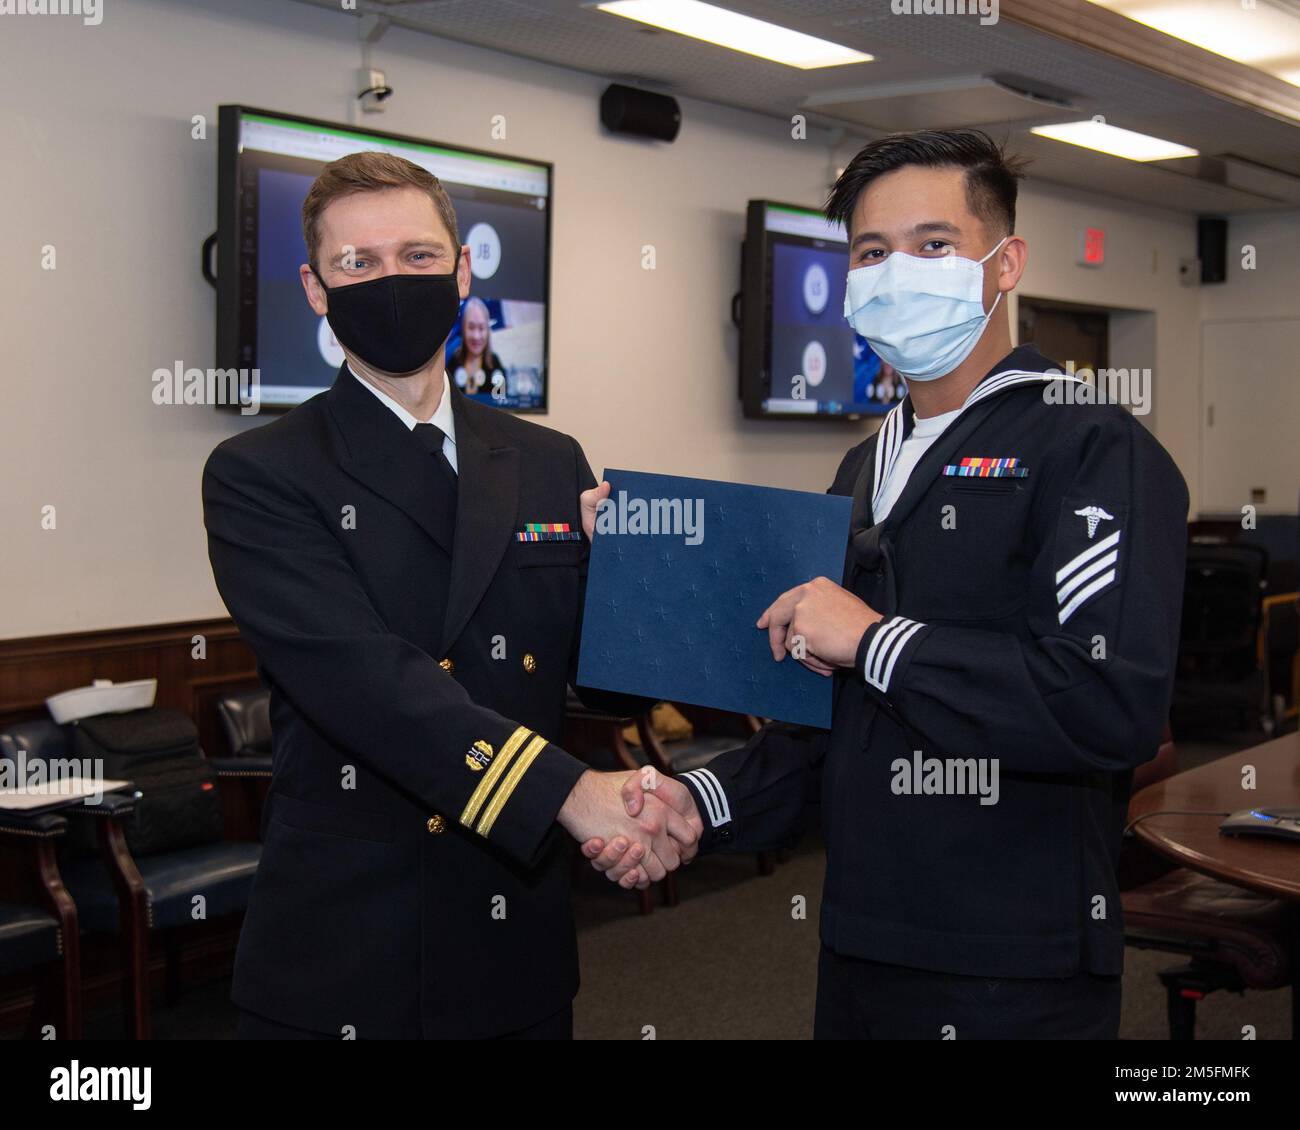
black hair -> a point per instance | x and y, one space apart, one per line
991 173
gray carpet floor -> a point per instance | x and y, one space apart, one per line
732 962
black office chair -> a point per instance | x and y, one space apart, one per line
246 725
246 722
42 936
1219 662
117 893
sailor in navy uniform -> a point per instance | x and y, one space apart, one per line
1018 563
1037 628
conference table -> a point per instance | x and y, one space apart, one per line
1267 865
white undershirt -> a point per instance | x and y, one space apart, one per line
442 416
924 433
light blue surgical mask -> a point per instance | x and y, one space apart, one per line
922 316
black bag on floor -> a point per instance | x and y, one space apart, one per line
157 749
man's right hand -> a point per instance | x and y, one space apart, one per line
652 837
618 858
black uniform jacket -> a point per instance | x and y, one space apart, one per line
1030 616
412 880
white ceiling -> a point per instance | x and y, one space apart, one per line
915 54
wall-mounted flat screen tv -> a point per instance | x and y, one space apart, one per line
267 162
799 358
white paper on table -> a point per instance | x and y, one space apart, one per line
52 792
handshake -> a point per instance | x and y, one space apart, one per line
634 826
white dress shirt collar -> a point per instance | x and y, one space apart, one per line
442 417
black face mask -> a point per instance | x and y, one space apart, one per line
397 323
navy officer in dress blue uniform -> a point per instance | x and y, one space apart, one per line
1002 643
409 568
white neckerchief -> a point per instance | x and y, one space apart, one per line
890 440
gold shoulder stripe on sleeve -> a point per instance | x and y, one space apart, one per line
513 778
490 778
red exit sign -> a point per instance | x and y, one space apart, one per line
1093 253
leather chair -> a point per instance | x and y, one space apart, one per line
1220 660
117 893
716 731
1234 938
42 938
246 725
246 722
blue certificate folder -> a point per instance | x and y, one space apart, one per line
681 569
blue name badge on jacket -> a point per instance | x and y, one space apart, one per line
680 571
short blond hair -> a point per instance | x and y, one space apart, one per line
369 172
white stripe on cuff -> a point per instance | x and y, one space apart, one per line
898 644
713 795
885 641
885 648
880 638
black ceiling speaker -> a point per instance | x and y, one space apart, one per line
624 109
1212 248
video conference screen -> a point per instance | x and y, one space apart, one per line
497 351
816 364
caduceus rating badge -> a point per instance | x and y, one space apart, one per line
1095 515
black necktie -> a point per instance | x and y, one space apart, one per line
432 437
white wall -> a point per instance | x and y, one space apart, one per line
1250 370
102 166
1143 247
1271 287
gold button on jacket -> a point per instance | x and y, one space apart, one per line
447 665
436 825
530 664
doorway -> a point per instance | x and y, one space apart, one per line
1066 331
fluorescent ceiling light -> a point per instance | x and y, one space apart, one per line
1264 35
739 33
1115 141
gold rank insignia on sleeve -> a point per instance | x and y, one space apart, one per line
506 769
478 755
516 774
